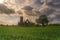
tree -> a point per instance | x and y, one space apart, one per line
42 20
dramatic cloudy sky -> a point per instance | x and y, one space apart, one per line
10 10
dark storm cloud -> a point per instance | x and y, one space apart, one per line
28 8
30 11
47 11
54 3
4 9
39 2
58 16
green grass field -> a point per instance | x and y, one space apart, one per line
30 33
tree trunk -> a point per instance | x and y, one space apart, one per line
43 24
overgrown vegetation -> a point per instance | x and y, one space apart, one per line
29 33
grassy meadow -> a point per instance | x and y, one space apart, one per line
29 33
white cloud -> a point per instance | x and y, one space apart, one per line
10 20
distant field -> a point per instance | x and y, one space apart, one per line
30 33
